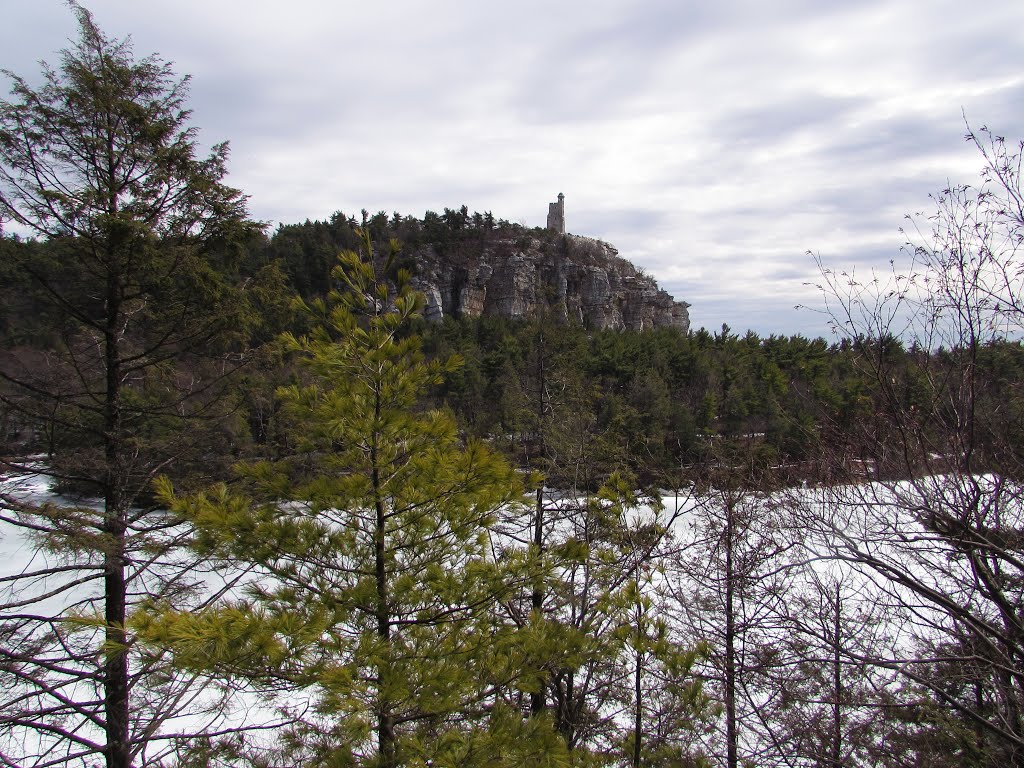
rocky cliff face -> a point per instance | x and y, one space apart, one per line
575 278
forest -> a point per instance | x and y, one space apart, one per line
255 510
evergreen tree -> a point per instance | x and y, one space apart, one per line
373 580
134 234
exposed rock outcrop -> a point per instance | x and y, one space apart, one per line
574 278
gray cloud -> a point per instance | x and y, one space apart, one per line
713 144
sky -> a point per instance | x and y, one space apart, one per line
718 145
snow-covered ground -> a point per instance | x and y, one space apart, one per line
872 551
51 609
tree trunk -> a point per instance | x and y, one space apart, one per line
837 687
638 713
537 598
732 748
385 719
115 667
115 662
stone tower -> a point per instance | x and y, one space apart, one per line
556 215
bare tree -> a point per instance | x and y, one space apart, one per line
939 528
731 580
835 708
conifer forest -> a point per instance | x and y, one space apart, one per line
257 510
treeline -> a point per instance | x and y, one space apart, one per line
660 403
307 252
298 525
664 402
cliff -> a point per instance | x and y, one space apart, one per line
470 265
540 272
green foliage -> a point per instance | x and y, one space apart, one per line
374 570
372 541
125 319
654 401
307 251
592 625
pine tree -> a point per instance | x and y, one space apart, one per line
373 579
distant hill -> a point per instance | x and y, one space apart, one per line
471 265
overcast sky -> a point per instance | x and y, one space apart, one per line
714 144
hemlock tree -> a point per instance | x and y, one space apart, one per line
99 164
375 594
